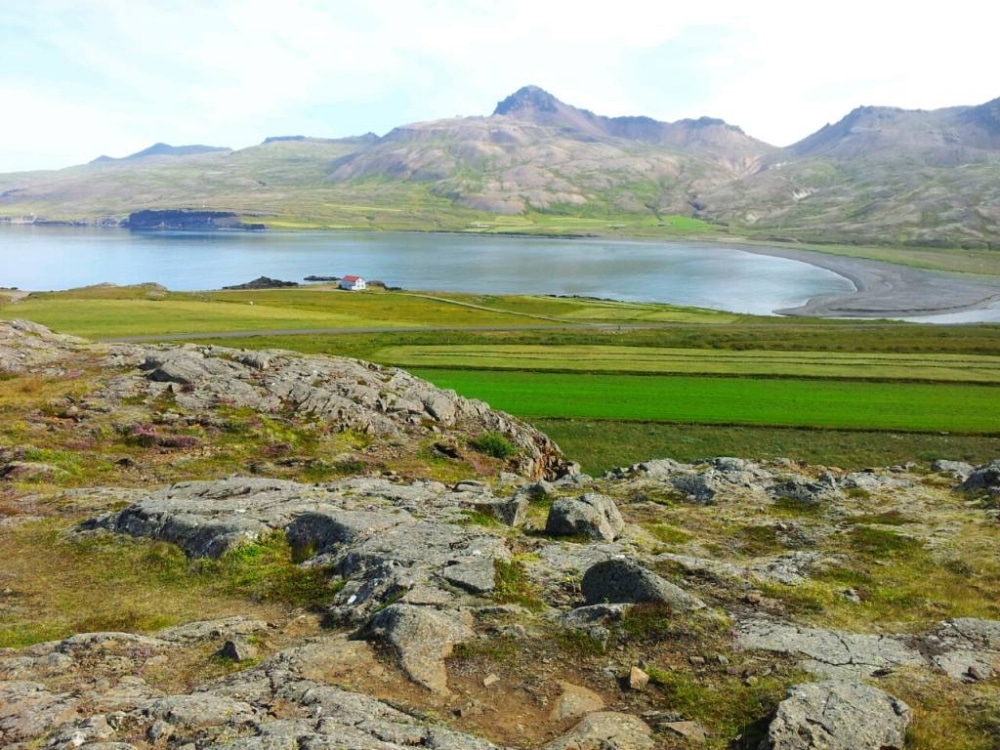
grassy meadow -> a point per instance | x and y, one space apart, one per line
710 400
613 382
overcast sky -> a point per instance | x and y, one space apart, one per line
81 78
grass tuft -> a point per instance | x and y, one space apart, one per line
512 585
494 444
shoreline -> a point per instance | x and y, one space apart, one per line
883 289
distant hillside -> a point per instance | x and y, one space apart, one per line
164 149
957 135
878 176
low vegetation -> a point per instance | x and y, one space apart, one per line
70 584
494 444
613 382
601 445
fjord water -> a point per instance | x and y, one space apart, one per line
702 275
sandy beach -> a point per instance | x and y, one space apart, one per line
886 290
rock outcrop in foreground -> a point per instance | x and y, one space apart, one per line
188 385
722 603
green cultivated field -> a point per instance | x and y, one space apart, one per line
98 312
785 402
625 359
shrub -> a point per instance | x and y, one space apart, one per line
494 444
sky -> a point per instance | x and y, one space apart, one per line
84 78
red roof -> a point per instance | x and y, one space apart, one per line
351 278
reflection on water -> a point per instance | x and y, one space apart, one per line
45 258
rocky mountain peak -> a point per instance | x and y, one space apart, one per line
708 122
528 99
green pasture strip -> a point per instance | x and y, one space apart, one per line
786 402
601 445
600 222
375 308
588 309
112 318
621 359
379 347
97 316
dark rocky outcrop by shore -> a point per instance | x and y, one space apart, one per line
183 219
263 282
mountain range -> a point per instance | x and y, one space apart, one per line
880 175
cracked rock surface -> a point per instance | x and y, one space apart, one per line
835 715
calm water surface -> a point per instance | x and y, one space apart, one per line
47 258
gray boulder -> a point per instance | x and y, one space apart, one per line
658 468
874 481
239 650
806 490
958 469
90 733
29 347
512 511
575 700
591 514
422 638
965 648
699 487
721 476
407 556
626 581
214 630
986 477
836 715
606 730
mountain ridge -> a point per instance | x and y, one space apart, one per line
879 175
536 105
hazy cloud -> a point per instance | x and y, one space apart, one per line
85 77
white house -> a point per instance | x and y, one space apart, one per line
353 283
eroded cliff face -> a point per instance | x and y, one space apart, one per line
455 600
